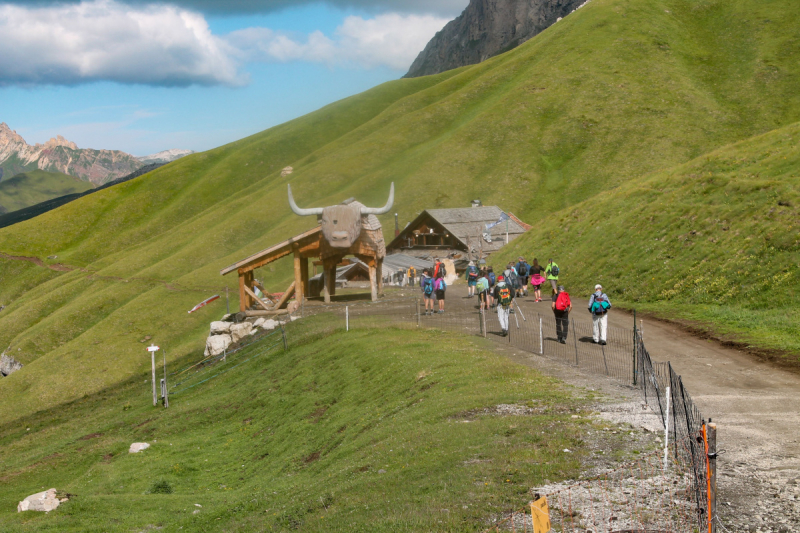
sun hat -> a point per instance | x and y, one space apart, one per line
598 287
561 288
501 278
472 263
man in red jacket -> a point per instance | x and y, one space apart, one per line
562 305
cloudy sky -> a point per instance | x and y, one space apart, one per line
144 76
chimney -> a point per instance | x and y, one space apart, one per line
396 226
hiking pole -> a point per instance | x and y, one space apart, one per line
516 319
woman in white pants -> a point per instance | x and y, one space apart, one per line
599 304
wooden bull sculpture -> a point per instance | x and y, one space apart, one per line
350 228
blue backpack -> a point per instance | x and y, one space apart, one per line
492 279
427 286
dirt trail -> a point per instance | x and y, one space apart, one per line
755 404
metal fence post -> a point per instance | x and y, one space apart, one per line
347 317
711 440
283 335
575 337
541 337
418 315
483 319
635 345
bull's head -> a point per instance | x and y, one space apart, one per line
341 224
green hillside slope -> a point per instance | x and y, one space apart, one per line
617 90
716 240
334 435
30 188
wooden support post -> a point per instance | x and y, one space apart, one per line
304 276
379 272
373 280
256 299
298 275
286 295
242 293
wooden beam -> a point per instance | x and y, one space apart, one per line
258 300
242 293
266 256
267 313
266 294
285 298
373 281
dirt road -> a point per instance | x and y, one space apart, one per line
755 405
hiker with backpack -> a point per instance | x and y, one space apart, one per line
412 275
599 304
439 271
482 286
562 305
523 271
512 280
504 296
537 280
439 288
426 284
490 276
472 275
551 272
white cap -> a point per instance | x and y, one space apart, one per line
598 287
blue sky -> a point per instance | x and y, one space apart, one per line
144 77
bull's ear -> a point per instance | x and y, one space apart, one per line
383 210
302 212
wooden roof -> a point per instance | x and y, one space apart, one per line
308 241
467 224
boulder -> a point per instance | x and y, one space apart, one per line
216 344
258 322
43 501
269 324
137 447
220 327
9 365
240 331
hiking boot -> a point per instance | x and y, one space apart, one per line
563 341
602 343
511 311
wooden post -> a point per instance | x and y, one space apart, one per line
304 276
242 293
227 302
541 339
298 275
711 437
164 391
373 280
379 271
418 316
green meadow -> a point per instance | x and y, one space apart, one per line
337 434
619 93
30 188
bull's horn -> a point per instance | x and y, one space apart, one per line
302 212
383 210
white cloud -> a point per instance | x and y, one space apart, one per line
107 40
391 40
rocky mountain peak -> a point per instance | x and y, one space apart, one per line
57 141
487 28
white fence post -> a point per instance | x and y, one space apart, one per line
347 317
541 339
666 430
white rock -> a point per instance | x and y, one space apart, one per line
219 328
240 331
269 324
257 323
216 344
137 447
43 501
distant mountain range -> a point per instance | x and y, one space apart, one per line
62 156
487 28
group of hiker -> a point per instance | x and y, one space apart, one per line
500 291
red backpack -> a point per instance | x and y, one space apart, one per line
563 302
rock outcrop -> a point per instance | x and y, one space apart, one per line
137 447
61 155
167 156
42 501
8 365
487 28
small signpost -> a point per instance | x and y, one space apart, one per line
153 349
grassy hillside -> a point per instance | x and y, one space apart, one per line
620 89
30 188
716 241
338 434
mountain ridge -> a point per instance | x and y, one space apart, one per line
62 156
487 28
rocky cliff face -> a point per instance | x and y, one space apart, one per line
61 155
487 28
